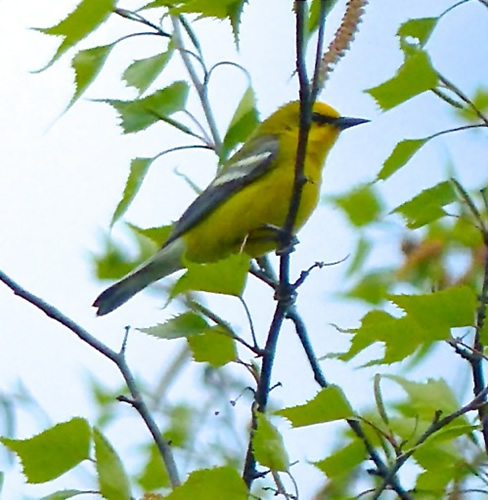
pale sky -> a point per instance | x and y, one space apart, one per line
61 177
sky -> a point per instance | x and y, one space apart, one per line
61 176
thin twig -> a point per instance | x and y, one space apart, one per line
134 16
199 87
437 424
223 324
463 98
116 357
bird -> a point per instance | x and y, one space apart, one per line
244 206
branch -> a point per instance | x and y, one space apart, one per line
116 357
284 292
437 424
199 86
476 360
382 469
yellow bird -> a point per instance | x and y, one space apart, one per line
247 199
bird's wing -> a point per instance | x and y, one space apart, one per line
252 161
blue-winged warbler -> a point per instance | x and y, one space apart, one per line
250 196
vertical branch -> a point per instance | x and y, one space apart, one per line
476 358
285 293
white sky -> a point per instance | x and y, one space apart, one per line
61 177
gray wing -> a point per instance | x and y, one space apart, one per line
248 164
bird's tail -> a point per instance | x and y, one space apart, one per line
163 263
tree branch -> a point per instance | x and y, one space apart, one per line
116 357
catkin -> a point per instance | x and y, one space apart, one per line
342 39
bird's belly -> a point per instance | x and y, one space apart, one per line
239 224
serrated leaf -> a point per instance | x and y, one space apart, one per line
141 73
402 153
227 276
138 170
415 76
64 494
344 460
181 326
361 205
428 205
139 114
242 123
87 16
451 308
87 64
214 346
267 444
112 479
401 336
209 484
328 405
53 452
420 29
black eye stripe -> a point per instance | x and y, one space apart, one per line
322 119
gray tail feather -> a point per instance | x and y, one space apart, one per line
165 262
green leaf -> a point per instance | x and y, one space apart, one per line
480 102
428 205
415 76
87 17
360 254
328 405
183 325
242 124
313 18
361 205
158 235
344 460
141 113
214 346
227 276
64 494
138 170
401 336
53 452
425 398
87 64
141 73
154 475
402 153
267 444
181 426
209 484
434 483
372 287
451 308
419 29
112 479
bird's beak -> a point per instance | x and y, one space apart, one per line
344 122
